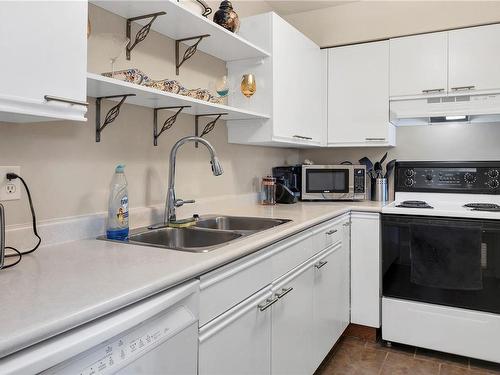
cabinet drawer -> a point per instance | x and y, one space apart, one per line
225 287
329 233
289 254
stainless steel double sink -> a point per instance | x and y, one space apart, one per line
207 234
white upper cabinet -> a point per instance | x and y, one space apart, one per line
358 96
474 59
445 63
297 84
290 86
44 49
419 64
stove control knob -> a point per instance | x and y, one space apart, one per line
493 173
409 173
409 182
493 184
428 177
469 178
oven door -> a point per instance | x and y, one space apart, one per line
327 182
444 261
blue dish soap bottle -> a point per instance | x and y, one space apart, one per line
117 225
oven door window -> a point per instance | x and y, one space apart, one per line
451 262
327 180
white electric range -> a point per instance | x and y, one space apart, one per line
441 258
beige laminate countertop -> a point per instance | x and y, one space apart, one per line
66 285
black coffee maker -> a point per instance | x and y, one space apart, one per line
288 183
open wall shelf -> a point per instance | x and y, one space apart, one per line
99 86
181 23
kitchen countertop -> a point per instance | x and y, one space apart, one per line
62 286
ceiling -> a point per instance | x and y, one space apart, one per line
297 6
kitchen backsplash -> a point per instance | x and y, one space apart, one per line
439 142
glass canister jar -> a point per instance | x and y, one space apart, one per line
268 190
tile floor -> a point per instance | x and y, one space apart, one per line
357 356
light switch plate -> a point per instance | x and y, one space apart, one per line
10 190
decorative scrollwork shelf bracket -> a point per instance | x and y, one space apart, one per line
110 116
190 51
208 127
169 122
142 33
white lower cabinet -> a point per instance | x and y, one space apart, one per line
330 300
292 324
365 269
239 341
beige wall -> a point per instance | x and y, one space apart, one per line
69 172
368 20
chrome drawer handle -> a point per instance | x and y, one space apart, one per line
64 100
459 88
302 137
430 91
330 232
284 292
269 302
320 264
2 235
346 224
374 139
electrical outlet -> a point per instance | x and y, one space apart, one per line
10 190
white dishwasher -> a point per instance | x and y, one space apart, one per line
158 335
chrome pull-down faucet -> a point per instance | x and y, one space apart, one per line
171 202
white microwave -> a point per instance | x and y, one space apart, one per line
334 182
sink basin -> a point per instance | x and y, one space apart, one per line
186 239
209 233
239 223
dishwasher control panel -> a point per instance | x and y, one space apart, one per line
121 350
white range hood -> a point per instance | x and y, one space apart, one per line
463 109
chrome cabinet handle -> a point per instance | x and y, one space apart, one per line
330 232
284 292
269 302
320 264
346 224
374 139
430 91
302 137
459 88
64 100
2 235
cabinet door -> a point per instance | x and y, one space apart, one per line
297 84
365 269
358 95
474 58
331 300
292 325
239 341
44 48
419 64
